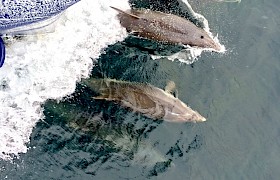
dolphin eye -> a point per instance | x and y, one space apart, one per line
201 37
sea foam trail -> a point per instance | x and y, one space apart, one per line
47 66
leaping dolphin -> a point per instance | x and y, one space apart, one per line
164 27
23 16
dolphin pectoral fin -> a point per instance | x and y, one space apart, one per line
171 88
123 12
2 52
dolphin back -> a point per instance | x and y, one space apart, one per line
164 27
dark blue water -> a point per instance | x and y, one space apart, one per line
238 93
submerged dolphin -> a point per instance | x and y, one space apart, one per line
144 98
120 139
25 16
165 27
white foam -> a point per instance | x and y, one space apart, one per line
47 66
189 54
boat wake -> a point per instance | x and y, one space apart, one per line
47 66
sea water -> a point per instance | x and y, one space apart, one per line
238 93
46 66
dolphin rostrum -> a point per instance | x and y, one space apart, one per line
164 27
145 99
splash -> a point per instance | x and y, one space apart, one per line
47 66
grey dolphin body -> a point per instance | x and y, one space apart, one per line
144 98
165 27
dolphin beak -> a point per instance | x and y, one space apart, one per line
203 119
217 47
198 118
212 43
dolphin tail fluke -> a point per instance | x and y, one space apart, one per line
2 52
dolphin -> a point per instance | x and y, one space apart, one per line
121 139
28 16
146 99
165 27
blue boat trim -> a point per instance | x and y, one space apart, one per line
2 52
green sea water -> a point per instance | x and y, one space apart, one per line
238 93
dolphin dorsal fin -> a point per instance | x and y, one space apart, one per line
171 88
129 14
